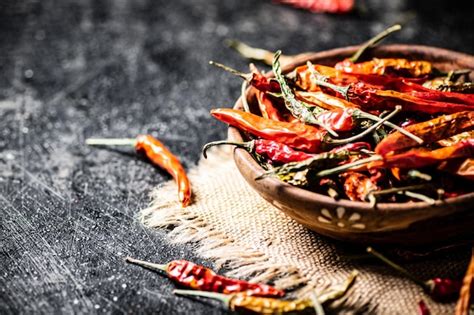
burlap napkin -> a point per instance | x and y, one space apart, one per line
231 224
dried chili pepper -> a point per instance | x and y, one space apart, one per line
296 135
440 289
387 66
272 150
197 277
243 303
422 92
320 6
424 310
159 155
461 167
417 158
430 131
357 185
267 108
465 294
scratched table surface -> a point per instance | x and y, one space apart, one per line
73 69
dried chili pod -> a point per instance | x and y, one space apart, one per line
424 310
296 135
160 156
430 131
388 66
267 108
243 303
272 150
467 290
440 289
198 277
357 185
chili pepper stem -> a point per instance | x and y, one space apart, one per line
224 298
347 166
374 41
244 145
243 96
399 268
245 76
111 141
372 128
319 80
250 52
146 264
318 308
418 196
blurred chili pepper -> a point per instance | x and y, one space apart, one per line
430 131
275 151
387 66
357 185
424 310
297 135
465 299
416 158
320 6
440 289
197 277
159 155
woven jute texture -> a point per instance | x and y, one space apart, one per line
233 226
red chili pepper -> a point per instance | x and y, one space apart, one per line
424 310
417 158
267 108
297 135
430 131
159 155
272 150
440 289
422 92
338 119
319 6
389 66
197 277
357 185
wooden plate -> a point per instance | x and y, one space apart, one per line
409 224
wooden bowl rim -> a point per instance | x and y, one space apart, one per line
243 158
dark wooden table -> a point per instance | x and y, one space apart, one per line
72 69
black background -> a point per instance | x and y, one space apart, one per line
72 69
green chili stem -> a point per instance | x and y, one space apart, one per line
372 128
418 174
347 166
374 41
224 298
244 145
322 81
397 267
146 264
245 76
111 141
297 108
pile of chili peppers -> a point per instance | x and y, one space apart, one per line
378 130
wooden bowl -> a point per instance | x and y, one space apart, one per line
409 224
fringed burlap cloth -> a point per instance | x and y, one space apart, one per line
231 224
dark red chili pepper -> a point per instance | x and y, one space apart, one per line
440 289
430 131
422 92
424 310
357 185
272 150
389 66
297 135
159 155
197 277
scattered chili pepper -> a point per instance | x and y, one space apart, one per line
424 310
465 294
430 131
440 289
197 277
243 303
159 155
320 6
297 135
